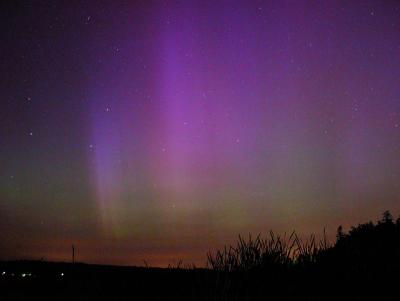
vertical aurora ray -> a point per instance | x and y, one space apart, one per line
237 114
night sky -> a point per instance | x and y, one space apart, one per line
159 130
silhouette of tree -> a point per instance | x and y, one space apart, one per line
387 217
339 234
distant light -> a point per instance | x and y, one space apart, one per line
62 274
23 275
3 273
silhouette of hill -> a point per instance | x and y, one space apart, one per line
363 264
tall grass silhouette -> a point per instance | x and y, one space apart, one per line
264 253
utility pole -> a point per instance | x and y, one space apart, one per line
73 254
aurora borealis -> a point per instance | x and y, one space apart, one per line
159 130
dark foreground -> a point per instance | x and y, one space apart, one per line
27 280
362 265
60 281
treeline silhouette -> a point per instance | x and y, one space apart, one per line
362 264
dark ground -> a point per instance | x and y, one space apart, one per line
64 281
27 280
